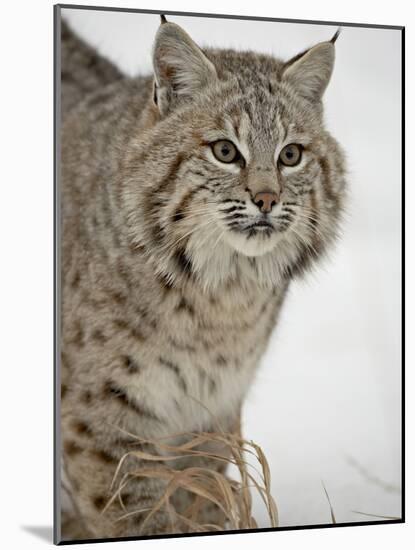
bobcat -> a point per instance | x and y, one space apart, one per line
189 201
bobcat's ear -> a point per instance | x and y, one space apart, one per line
310 71
181 69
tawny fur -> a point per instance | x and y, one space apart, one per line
169 294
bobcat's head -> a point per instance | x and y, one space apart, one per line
236 179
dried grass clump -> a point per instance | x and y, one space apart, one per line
202 484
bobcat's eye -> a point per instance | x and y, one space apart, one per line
225 151
291 154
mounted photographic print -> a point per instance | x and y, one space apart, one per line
228 274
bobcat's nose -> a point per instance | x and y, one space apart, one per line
266 200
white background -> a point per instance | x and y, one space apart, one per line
348 408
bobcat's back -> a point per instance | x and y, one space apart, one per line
83 70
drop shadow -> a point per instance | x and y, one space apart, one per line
44 532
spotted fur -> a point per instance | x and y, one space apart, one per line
172 278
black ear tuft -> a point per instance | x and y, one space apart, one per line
336 35
163 18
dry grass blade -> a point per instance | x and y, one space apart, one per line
333 517
202 485
370 477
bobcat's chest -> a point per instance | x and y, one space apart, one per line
205 357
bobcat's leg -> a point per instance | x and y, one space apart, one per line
92 449
91 470
209 513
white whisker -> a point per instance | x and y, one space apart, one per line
189 233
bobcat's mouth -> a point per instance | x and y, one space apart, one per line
258 227
252 238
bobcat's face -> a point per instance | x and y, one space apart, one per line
257 173
239 173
